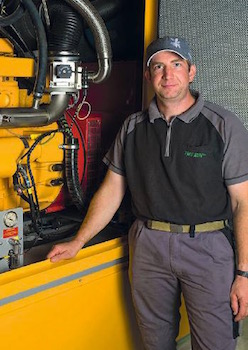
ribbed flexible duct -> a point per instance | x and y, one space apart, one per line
66 27
11 117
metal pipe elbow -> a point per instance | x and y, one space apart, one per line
101 37
32 117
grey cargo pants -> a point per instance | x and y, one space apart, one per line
162 266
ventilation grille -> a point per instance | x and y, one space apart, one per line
217 32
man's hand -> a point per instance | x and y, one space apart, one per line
64 250
101 210
239 298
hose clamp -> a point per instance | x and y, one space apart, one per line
70 147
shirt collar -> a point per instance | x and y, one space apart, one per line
187 117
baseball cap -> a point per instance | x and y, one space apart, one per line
172 44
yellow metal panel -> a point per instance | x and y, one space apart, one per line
9 93
43 157
16 67
77 304
10 150
6 47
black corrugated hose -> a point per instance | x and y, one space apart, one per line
66 27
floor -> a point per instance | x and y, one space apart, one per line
242 342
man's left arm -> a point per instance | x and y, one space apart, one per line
239 291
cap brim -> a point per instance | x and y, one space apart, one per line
150 58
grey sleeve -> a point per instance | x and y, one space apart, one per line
114 158
235 161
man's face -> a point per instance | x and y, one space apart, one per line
170 76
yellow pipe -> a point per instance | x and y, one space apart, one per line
151 16
150 33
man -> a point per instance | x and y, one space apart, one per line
186 164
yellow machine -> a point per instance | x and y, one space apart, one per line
84 303
39 150
15 141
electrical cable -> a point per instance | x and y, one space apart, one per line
39 138
74 121
28 154
19 187
79 108
33 202
27 185
71 175
71 166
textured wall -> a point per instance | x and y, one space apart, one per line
217 32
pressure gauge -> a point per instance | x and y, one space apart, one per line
10 219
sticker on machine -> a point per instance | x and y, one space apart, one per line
10 232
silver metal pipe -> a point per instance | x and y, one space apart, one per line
29 117
47 114
101 37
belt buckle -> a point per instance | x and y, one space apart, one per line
174 228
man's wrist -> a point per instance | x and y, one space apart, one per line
80 241
242 273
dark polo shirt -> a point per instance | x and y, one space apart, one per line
179 171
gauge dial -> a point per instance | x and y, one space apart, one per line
10 219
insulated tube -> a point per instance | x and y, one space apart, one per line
100 33
42 49
43 115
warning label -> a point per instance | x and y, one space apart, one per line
10 232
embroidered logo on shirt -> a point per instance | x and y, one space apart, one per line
195 154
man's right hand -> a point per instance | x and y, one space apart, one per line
101 210
64 251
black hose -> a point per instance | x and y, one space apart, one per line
71 165
12 18
71 172
42 48
66 27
